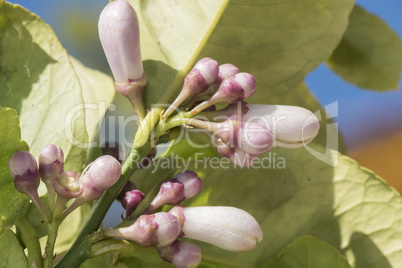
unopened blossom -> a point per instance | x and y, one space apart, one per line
181 254
67 185
225 70
51 161
184 185
131 200
159 229
120 38
24 170
204 74
229 228
103 173
232 89
292 126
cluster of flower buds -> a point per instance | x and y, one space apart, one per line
226 227
61 185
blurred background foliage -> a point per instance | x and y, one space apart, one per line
369 121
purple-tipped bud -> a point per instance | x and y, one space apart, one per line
184 185
229 228
102 174
232 89
67 185
129 186
120 37
24 170
181 254
159 229
225 70
114 149
131 201
204 74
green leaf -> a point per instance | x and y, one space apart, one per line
11 252
13 204
308 251
370 53
38 80
98 91
293 193
279 42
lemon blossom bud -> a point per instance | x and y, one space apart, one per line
225 70
184 185
131 201
51 159
24 169
232 89
229 228
159 229
181 254
291 126
120 37
103 173
204 74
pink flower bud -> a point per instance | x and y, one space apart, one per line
120 37
24 169
67 185
242 159
104 172
184 185
204 74
129 186
131 201
232 89
159 229
51 162
229 228
181 254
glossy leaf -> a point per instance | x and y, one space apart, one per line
277 41
370 53
308 251
13 204
11 253
38 80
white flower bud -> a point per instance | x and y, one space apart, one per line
292 126
229 228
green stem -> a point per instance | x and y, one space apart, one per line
163 126
52 230
80 250
115 246
31 241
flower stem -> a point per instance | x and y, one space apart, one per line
52 230
31 241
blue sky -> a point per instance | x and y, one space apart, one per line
362 114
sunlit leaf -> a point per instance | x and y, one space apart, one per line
38 80
13 204
370 53
277 41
